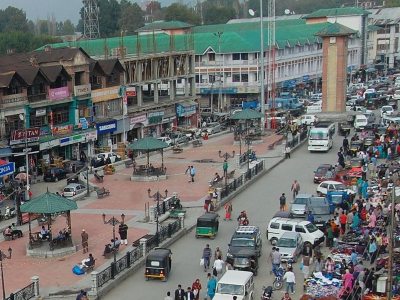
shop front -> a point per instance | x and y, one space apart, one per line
117 136
104 131
137 123
187 114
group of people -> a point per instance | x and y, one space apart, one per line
193 292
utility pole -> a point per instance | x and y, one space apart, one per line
395 193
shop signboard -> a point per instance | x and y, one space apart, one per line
62 130
78 138
106 127
49 144
59 93
21 135
155 117
14 99
185 111
91 135
84 123
138 119
131 91
105 94
40 112
7 169
82 90
216 90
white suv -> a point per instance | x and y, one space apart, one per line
309 120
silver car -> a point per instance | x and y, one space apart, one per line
73 189
290 246
298 206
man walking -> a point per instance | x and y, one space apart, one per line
206 257
179 293
282 202
290 280
275 259
123 233
189 173
85 241
295 188
225 168
192 173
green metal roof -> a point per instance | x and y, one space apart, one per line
148 144
48 203
340 11
373 28
235 37
335 29
164 25
247 114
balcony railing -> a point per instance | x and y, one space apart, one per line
13 100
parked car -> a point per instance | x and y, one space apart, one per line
166 139
331 185
213 127
309 120
298 207
320 208
387 110
101 159
290 246
321 171
178 138
73 189
54 174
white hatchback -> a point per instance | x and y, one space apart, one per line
331 185
387 110
73 189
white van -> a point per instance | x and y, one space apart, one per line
360 122
235 283
309 232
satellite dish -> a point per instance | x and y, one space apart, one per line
252 12
287 11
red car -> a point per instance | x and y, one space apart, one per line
320 174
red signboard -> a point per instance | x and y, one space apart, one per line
29 135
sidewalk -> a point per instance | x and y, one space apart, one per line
129 198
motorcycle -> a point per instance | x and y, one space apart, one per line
278 281
10 213
267 293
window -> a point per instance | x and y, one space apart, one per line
60 116
211 56
211 78
287 227
274 225
300 229
236 56
244 78
197 58
244 56
35 121
197 78
235 77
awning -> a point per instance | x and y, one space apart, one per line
5 152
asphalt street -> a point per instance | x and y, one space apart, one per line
261 201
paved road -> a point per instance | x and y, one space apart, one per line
261 202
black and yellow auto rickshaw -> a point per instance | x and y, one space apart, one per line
158 264
244 260
207 225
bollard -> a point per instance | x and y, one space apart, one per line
182 219
238 160
94 289
153 212
35 280
219 195
143 242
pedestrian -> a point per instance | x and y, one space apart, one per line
123 233
206 257
217 253
329 235
211 286
85 241
218 266
168 297
290 280
287 151
329 268
225 168
275 259
189 294
286 297
179 293
343 222
306 266
228 211
372 250
282 202
318 265
295 188
80 295
196 288
192 173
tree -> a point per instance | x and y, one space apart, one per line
179 12
68 27
392 3
131 17
220 11
154 11
13 19
110 12
21 42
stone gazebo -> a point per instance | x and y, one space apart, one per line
149 172
46 208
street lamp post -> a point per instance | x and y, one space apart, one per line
247 141
113 221
3 256
262 88
226 156
157 197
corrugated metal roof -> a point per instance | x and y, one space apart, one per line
48 203
164 25
335 29
339 11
